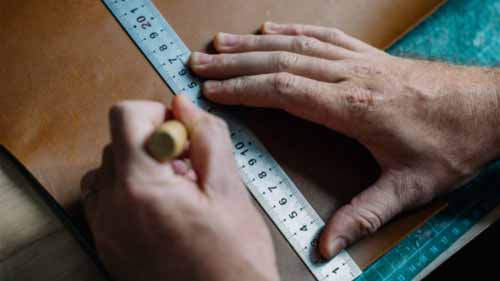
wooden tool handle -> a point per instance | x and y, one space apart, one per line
168 141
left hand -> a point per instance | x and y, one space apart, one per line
431 126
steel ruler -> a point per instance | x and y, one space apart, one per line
268 183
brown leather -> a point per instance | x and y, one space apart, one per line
64 63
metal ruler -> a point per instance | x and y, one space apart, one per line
414 254
272 188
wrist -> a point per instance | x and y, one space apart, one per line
494 77
479 88
482 89
466 100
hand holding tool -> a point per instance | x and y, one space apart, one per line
168 141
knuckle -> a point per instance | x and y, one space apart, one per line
232 89
222 59
220 124
238 84
121 113
335 34
297 29
131 189
283 82
213 123
365 70
138 191
253 40
359 101
284 61
303 44
368 221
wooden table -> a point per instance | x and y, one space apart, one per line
34 244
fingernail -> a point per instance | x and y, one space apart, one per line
210 86
227 39
198 58
337 245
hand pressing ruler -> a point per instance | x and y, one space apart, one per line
272 188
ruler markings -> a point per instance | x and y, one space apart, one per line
267 182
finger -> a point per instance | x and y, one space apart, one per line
225 66
88 182
106 172
183 168
325 34
309 46
364 215
180 167
191 175
89 194
96 180
305 98
131 123
210 147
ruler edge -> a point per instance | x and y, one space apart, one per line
135 42
479 227
355 269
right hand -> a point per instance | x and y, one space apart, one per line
429 125
165 221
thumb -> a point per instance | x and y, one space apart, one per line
210 146
364 215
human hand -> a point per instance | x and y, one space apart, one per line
153 221
430 126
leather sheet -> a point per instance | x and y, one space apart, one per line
64 63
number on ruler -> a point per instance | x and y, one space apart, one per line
163 47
